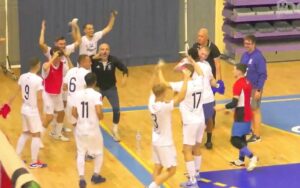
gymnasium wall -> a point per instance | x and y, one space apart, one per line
13 31
200 14
2 30
144 30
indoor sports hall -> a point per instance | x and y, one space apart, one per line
141 34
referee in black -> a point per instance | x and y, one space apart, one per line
214 61
104 66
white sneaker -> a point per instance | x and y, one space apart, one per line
66 129
238 163
61 137
115 134
74 21
252 163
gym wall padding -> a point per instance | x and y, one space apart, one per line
144 30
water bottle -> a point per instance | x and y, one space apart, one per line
138 138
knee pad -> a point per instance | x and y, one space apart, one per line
237 142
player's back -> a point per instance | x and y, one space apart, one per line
191 106
162 124
75 80
30 84
86 101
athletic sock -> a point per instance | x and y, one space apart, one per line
98 163
80 164
246 152
190 166
35 148
198 161
21 143
209 136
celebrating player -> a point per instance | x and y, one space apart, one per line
87 108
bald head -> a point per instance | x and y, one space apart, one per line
104 51
202 36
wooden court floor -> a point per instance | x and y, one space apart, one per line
277 147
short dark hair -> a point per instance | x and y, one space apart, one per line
241 67
252 38
84 26
90 79
34 61
81 58
56 49
60 38
190 67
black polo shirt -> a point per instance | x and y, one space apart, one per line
106 77
214 53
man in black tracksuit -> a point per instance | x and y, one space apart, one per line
104 66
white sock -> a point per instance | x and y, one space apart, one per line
58 129
21 143
98 163
115 127
153 185
80 164
35 148
190 166
198 161
54 119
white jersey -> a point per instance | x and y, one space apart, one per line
208 95
75 81
162 125
69 49
191 107
86 101
89 46
30 84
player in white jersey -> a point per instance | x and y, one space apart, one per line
208 95
60 42
31 87
87 108
164 152
89 41
193 121
74 82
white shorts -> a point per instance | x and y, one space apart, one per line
165 156
32 124
91 144
52 103
71 119
193 133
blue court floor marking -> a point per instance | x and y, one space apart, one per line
278 176
282 115
144 107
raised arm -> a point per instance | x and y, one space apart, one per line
46 66
43 45
197 68
161 77
181 95
111 22
76 32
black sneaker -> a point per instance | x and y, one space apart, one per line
82 184
254 139
209 145
97 179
